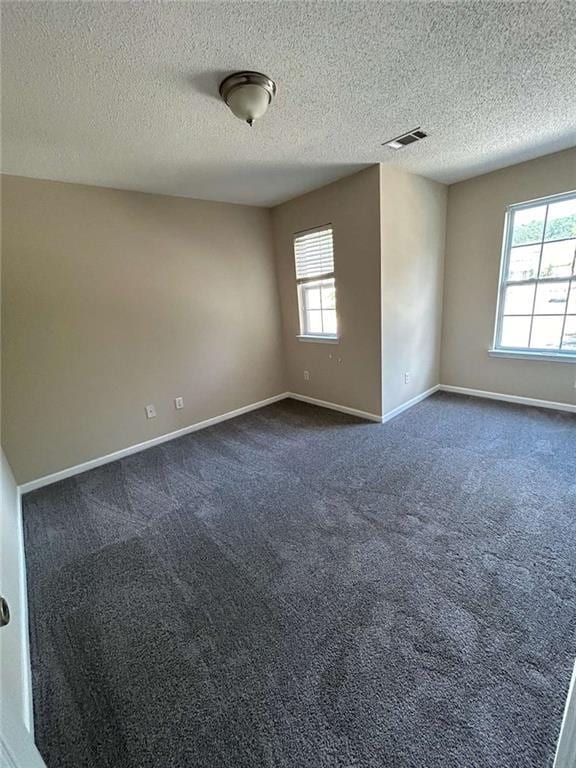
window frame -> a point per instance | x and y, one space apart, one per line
301 283
546 353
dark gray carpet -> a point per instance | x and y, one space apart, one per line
296 588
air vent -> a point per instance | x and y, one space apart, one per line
406 138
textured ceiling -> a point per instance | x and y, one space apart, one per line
124 94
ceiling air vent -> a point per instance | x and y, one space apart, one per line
406 138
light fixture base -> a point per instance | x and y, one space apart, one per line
237 79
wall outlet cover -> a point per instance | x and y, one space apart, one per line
150 411
178 403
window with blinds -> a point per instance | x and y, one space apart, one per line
314 258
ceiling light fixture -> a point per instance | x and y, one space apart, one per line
248 94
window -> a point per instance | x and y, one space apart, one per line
537 299
314 256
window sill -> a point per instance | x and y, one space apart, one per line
320 339
548 357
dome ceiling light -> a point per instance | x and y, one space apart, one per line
248 94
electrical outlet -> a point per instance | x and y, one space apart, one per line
178 403
150 411
407 377
306 375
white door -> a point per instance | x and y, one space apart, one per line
566 751
17 749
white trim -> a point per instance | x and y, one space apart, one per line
547 199
566 749
503 279
320 339
335 407
77 469
17 748
7 759
364 414
404 407
28 713
40 482
504 252
550 357
571 408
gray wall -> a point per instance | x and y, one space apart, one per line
351 205
413 230
474 240
116 299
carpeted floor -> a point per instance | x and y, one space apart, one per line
299 589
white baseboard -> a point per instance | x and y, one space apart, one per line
404 407
98 462
571 408
77 469
40 482
335 407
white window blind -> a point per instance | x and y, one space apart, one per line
314 253
314 260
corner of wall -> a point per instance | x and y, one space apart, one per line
347 374
413 240
281 332
474 234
